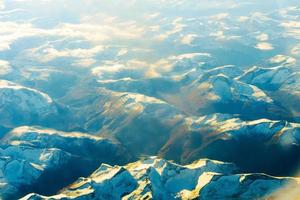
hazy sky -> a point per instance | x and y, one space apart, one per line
88 33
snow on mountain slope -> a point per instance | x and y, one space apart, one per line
8 87
216 89
164 76
21 172
186 72
243 186
155 178
152 87
20 105
133 119
73 142
147 125
31 156
282 84
224 137
267 78
44 79
207 91
152 80
230 71
222 94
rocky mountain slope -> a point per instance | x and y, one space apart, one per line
155 178
45 160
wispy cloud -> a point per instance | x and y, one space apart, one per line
296 50
2 6
137 69
262 37
48 53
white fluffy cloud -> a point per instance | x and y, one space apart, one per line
283 60
220 35
292 29
5 67
264 46
188 39
101 31
107 28
12 31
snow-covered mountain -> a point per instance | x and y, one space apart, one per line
149 125
110 83
252 145
155 178
281 83
32 157
131 118
22 105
